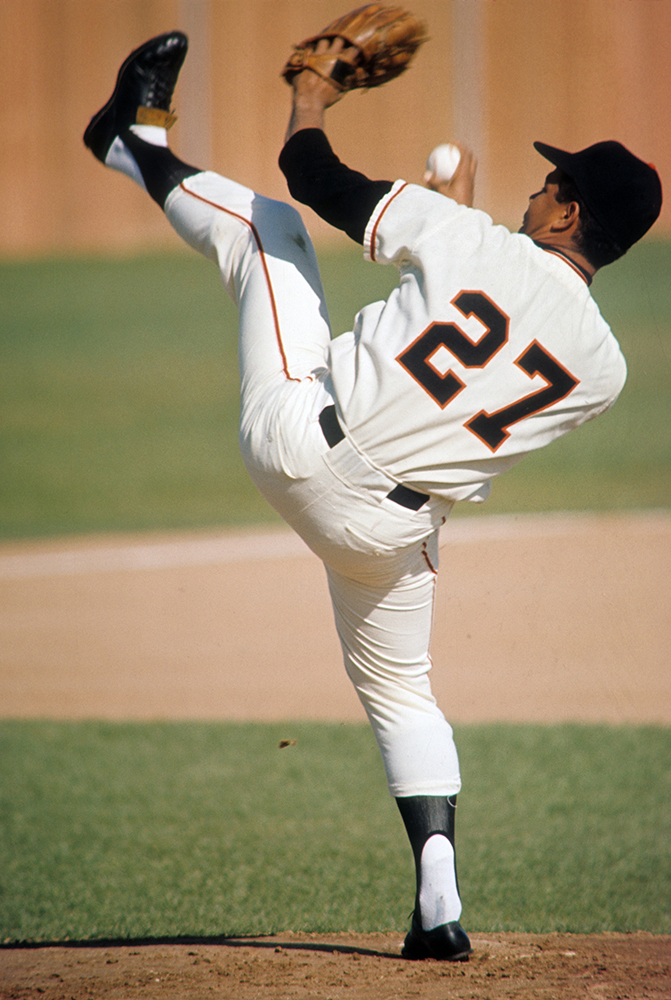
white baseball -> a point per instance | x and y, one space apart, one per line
442 163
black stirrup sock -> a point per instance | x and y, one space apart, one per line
424 816
161 170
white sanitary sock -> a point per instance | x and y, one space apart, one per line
154 134
439 901
119 157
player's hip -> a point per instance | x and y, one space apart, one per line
347 510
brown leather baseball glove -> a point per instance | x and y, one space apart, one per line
385 38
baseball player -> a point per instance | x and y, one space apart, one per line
489 347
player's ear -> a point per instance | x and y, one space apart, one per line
567 217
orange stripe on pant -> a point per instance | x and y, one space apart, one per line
269 284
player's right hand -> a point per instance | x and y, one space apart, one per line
461 186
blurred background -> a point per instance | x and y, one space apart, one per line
118 368
496 74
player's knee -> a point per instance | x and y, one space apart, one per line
276 219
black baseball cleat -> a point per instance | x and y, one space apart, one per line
447 943
143 92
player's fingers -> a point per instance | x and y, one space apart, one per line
432 182
316 83
464 177
335 46
467 161
324 44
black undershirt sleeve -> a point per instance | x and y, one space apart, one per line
342 197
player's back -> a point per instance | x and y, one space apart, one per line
489 347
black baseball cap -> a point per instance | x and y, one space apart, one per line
623 193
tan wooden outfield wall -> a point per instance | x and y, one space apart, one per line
496 74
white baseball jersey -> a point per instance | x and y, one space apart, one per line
489 348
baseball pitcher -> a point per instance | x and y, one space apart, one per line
490 346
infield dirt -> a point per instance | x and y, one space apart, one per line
353 966
89 626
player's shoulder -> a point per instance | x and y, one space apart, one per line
540 270
410 216
432 208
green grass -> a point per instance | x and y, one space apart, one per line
168 829
119 398
119 402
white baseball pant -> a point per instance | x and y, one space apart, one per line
381 559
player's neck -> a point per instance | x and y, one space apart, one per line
568 252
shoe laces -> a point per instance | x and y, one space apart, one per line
161 87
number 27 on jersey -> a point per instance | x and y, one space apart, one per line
491 428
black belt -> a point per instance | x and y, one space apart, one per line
333 432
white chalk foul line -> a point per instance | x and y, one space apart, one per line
157 555
253 546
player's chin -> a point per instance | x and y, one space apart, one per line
524 228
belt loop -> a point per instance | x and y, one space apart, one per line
328 421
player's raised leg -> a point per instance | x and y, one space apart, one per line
261 247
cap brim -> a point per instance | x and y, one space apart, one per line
559 157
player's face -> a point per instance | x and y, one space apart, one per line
542 208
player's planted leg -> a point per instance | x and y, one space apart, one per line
384 624
435 931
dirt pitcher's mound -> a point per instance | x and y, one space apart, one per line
541 619
353 966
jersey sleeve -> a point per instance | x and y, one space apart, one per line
316 177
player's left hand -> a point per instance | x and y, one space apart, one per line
309 85
461 186
312 93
